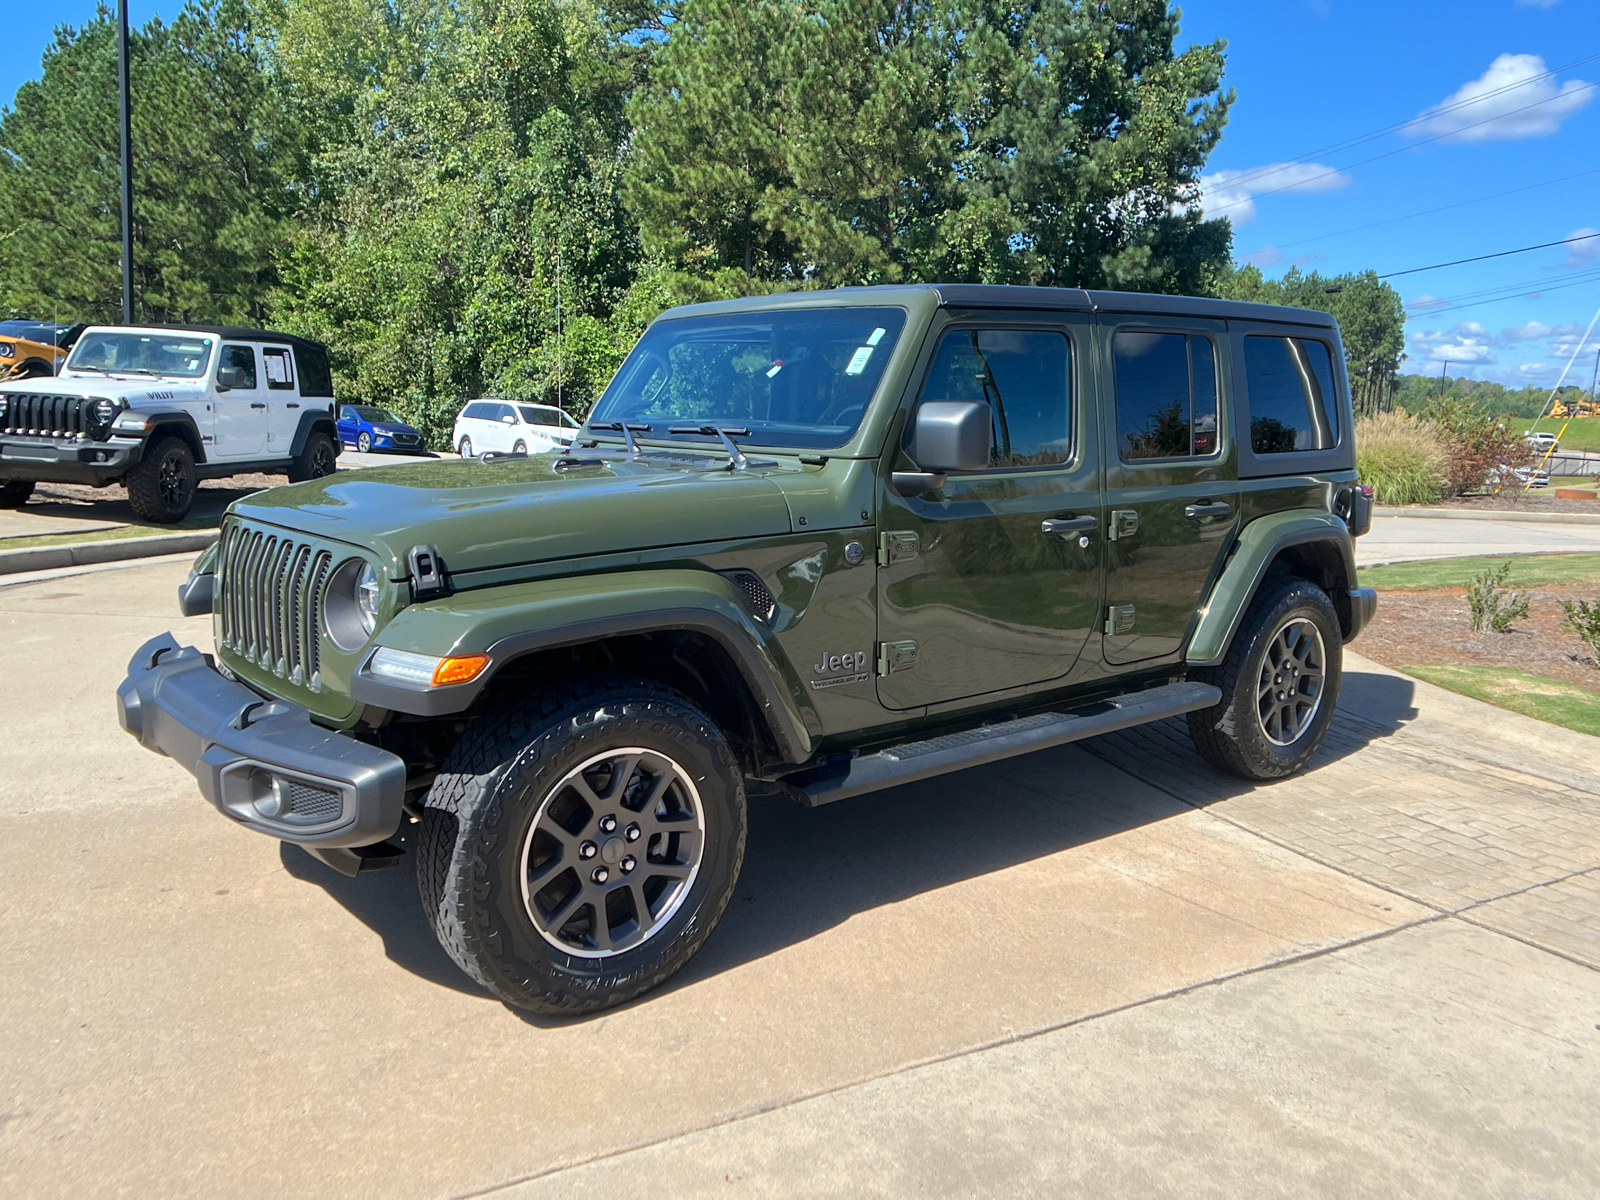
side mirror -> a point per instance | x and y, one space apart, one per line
229 378
508 419
949 435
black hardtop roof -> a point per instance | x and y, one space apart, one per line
231 333
994 295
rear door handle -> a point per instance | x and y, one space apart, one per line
1062 526
291 406
258 406
1210 510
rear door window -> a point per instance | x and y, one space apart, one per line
1291 391
279 369
1166 395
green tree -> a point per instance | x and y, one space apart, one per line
830 142
215 160
1371 319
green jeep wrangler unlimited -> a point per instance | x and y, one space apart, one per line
805 546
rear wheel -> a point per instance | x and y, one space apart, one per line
577 850
1279 681
14 493
465 448
161 484
316 459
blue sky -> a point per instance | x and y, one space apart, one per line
1313 75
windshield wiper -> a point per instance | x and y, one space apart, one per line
736 459
627 431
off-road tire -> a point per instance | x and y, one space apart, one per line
364 441
161 484
318 458
465 448
14 493
478 812
1229 735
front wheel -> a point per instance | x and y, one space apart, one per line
520 448
577 850
363 441
1279 681
161 484
316 459
14 493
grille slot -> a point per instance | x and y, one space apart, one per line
311 803
269 591
44 416
757 596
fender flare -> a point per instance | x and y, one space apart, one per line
310 420
171 420
516 620
1258 546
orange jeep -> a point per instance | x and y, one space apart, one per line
31 348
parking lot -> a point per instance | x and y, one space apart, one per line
1100 969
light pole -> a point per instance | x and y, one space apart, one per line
127 163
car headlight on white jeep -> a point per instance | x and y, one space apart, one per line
98 415
350 604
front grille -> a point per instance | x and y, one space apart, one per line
44 416
407 439
312 803
269 601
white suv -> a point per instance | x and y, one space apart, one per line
516 428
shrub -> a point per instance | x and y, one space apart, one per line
1583 619
1402 458
1493 605
1476 446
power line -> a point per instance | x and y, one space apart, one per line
1484 257
1428 212
1361 138
1390 153
1518 288
1579 281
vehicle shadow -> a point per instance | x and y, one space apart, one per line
808 870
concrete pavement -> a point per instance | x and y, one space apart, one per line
1101 969
1403 538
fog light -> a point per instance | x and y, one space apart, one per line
266 794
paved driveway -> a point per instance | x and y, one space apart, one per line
1097 970
1400 538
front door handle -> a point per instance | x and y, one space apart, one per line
1062 526
257 405
1209 510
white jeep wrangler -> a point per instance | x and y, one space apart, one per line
162 407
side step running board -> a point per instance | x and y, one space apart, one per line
990 743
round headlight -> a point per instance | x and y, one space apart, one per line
5 406
367 599
105 411
350 604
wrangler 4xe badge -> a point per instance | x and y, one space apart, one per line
840 669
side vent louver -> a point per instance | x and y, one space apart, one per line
757 596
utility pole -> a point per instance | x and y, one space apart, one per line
1444 378
127 164
1594 379
560 348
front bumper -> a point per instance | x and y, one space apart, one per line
49 460
261 762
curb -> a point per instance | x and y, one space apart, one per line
78 554
1489 514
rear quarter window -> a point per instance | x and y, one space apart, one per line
1293 401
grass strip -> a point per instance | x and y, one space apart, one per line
1526 570
1582 433
1551 700
117 534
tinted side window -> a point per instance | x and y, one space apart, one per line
1291 389
1166 395
348 414
244 358
315 378
1023 376
279 369
475 411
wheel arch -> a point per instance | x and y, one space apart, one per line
175 422
313 421
1305 544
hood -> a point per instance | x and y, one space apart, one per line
508 512
140 391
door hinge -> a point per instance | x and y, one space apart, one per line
896 547
1124 524
896 656
1119 619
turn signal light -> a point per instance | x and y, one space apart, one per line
462 669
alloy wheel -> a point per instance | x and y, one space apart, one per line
612 852
174 481
1289 688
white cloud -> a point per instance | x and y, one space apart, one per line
1584 254
1266 257
1531 332
1424 302
1232 194
1496 105
1469 343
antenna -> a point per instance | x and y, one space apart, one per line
559 347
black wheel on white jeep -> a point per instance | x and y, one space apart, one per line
580 845
1279 681
14 493
318 457
161 484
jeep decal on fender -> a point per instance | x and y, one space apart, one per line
854 662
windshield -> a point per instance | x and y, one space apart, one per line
794 378
367 413
184 355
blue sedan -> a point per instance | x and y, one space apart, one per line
368 428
